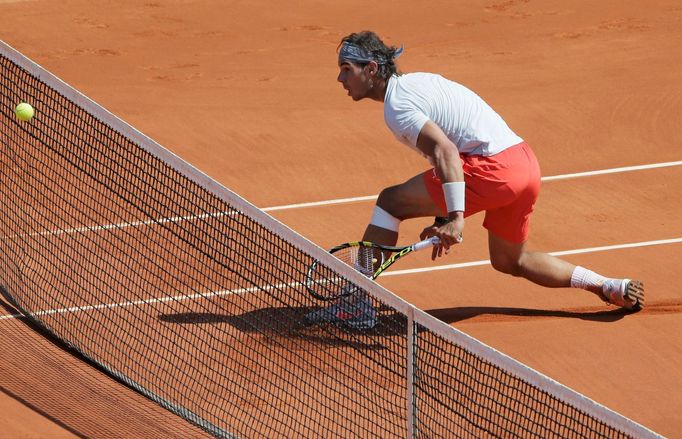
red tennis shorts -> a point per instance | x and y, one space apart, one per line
505 186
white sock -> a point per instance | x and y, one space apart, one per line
584 278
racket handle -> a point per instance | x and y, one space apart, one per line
429 242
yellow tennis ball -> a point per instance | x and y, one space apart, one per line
24 111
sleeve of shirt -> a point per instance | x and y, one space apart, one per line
406 122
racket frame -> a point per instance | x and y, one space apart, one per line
397 253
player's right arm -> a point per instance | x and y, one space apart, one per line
443 153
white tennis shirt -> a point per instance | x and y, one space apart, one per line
469 122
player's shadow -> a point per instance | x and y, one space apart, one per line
290 322
458 314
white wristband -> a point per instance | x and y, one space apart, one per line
454 196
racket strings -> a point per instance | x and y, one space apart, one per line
366 260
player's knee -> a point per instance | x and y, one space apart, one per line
389 200
506 265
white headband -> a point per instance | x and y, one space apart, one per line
351 52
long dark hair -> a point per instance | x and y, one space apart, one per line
370 42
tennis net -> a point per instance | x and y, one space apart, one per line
195 298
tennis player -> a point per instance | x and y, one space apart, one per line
479 165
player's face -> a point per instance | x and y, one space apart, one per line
355 80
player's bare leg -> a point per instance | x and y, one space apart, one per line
540 268
380 235
550 271
409 199
404 201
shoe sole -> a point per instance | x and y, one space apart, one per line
360 326
634 291
364 326
350 322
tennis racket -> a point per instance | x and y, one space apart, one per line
366 257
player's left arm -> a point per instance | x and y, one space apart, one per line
433 142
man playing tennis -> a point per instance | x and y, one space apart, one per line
479 164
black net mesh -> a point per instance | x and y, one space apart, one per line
459 394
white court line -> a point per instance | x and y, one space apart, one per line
84 229
176 298
612 171
182 297
561 253
548 178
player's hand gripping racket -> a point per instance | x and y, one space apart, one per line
368 258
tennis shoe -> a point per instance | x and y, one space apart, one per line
359 314
625 293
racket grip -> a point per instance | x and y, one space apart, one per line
429 242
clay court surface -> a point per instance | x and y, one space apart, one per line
246 92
